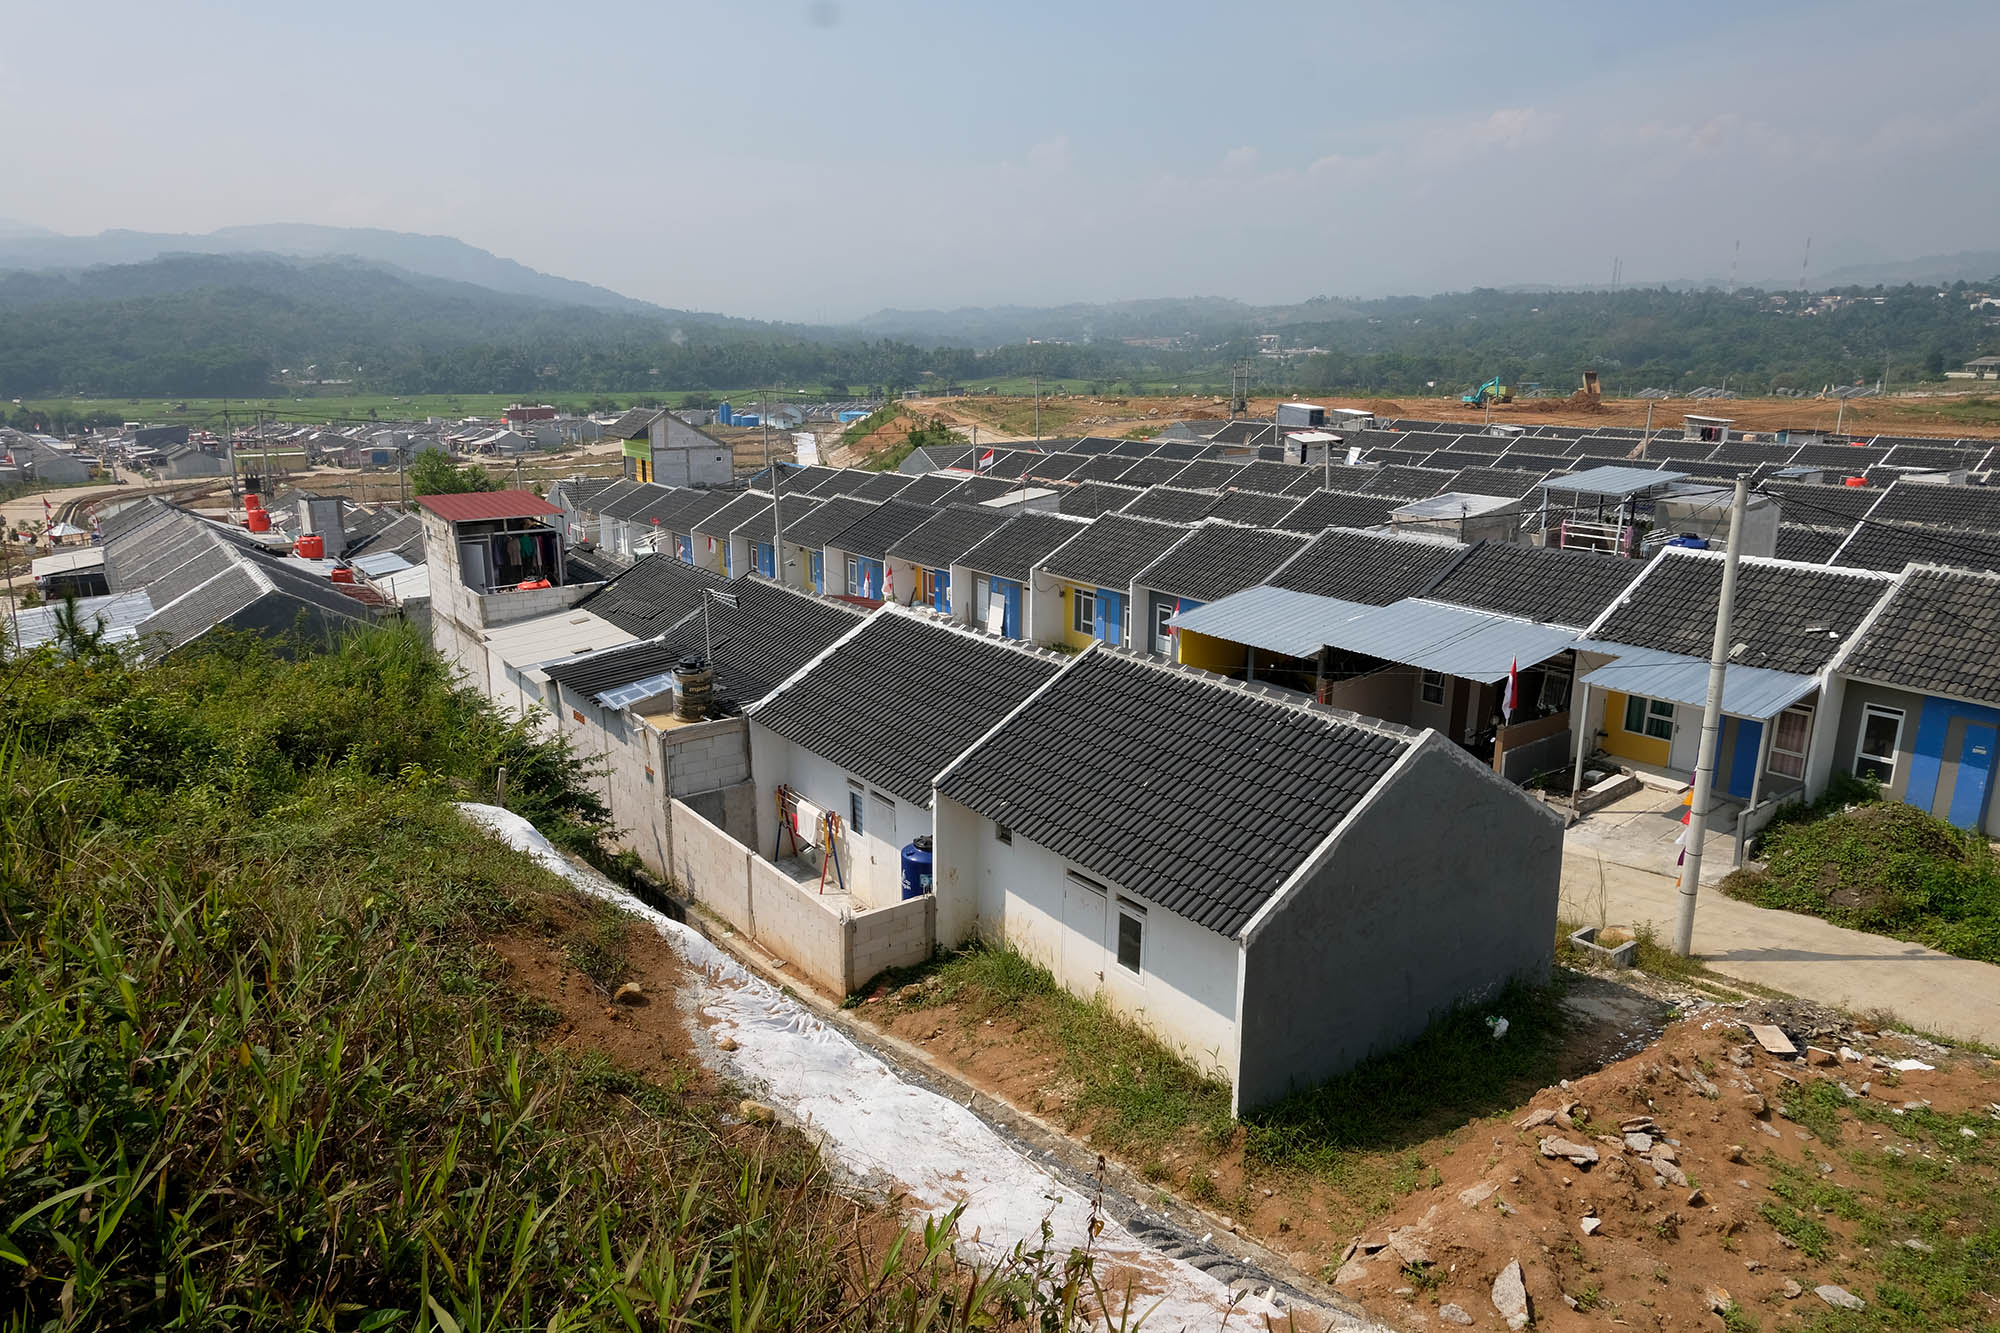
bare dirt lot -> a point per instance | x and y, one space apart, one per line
1960 415
1676 1176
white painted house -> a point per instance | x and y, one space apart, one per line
1256 879
864 729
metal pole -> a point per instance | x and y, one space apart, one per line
707 652
1711 725
1840 414
1038 410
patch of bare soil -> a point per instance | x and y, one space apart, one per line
644 1033
1635 1188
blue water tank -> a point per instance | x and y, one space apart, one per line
917 868
724 416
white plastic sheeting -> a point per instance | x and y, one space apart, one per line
891 1133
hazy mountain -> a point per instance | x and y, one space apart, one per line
430 256
1202 317
1965 266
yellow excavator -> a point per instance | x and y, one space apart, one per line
1493 391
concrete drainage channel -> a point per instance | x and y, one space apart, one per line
1175 1230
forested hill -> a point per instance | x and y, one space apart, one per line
214 325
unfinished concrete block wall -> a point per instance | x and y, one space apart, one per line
900 935
703 756
798 925
712 867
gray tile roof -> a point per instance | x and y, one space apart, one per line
824 523
653 594
1102 467
742 509
1017 547
902 697
1217 559
1969 508
1113 549
1095 497
1149 472
1253 507
929 489
627 503
1369 567
881 485
978 490
1056 467
1787 617
948 535
1939 633
1274 477
1891 546
1171 504
1195 794
793 509
1808 544
1821 506
1338 509
1412 483
1510 482
1208 474
1540 583
872 534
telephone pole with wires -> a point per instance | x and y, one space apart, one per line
1711 725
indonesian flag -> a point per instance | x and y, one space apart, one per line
985 461
1513 697
889 583
711 546
868 584
1172 629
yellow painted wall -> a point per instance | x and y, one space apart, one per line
1208 653
1625 744
1070 638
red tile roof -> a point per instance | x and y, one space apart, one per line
478 505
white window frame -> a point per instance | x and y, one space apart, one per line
1162 636
857 809
1887 761
1771 765
1649 715
1429 681
1083 611
852 567
1135 913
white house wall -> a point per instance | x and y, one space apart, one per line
1185 993
870 861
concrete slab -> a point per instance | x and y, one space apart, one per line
1801 955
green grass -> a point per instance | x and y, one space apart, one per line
260 1067
1883 867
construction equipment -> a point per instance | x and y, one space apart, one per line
1493 391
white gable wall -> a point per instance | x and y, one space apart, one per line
871 860
1022 895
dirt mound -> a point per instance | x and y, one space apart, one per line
1701 1174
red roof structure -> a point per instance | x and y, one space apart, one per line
477 506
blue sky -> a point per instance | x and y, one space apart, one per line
818 159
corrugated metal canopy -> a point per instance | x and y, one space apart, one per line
1758 693
1451 640
380 563
1278 620
1612 481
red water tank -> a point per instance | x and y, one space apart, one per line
1856 481
311 546
343 575
257 521
253 501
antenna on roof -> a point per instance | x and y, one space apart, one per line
1732 265
1805 264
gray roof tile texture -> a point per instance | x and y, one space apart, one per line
949 534
1253 507
1787 617
1095 497
1373 568
872 533
1539 583
1016 548
1891 546
1113 549
1338 509
1197 795
824 523
1217 559
902 698
1171 504
1971 508
651 595
1939 633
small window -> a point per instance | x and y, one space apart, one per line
1083 612
1433 687
1881 737
1649 717
853 577
854 804
1001 833
1131 934
1788 742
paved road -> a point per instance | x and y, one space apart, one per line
1802 955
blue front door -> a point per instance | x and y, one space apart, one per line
1975 775
819 571
767 560
941 590
1743 767
1010 592
1109 623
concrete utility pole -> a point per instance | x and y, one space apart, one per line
1038 410
1711 725
777 527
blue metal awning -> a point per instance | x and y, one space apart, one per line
1757 693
